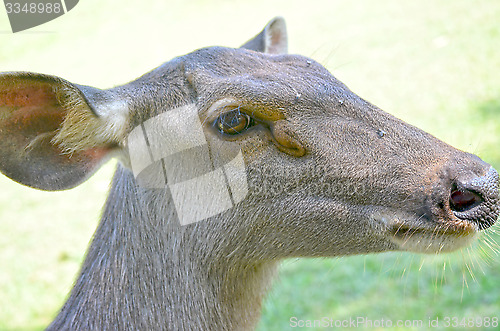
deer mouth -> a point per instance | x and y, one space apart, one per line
458 229
424 236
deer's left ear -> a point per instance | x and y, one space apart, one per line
273 39
55 134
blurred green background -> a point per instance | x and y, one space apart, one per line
435 64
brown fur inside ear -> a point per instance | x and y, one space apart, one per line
33 112
27 114
28 96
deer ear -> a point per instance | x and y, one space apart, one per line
55 134
273 39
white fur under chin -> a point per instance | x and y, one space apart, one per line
430 243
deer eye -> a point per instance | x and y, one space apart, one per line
233 122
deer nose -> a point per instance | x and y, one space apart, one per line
475 198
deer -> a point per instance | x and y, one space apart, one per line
320 172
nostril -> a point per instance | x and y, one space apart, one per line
473 196
463 200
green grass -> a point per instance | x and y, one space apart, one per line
433 64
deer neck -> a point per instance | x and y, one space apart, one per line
143 271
